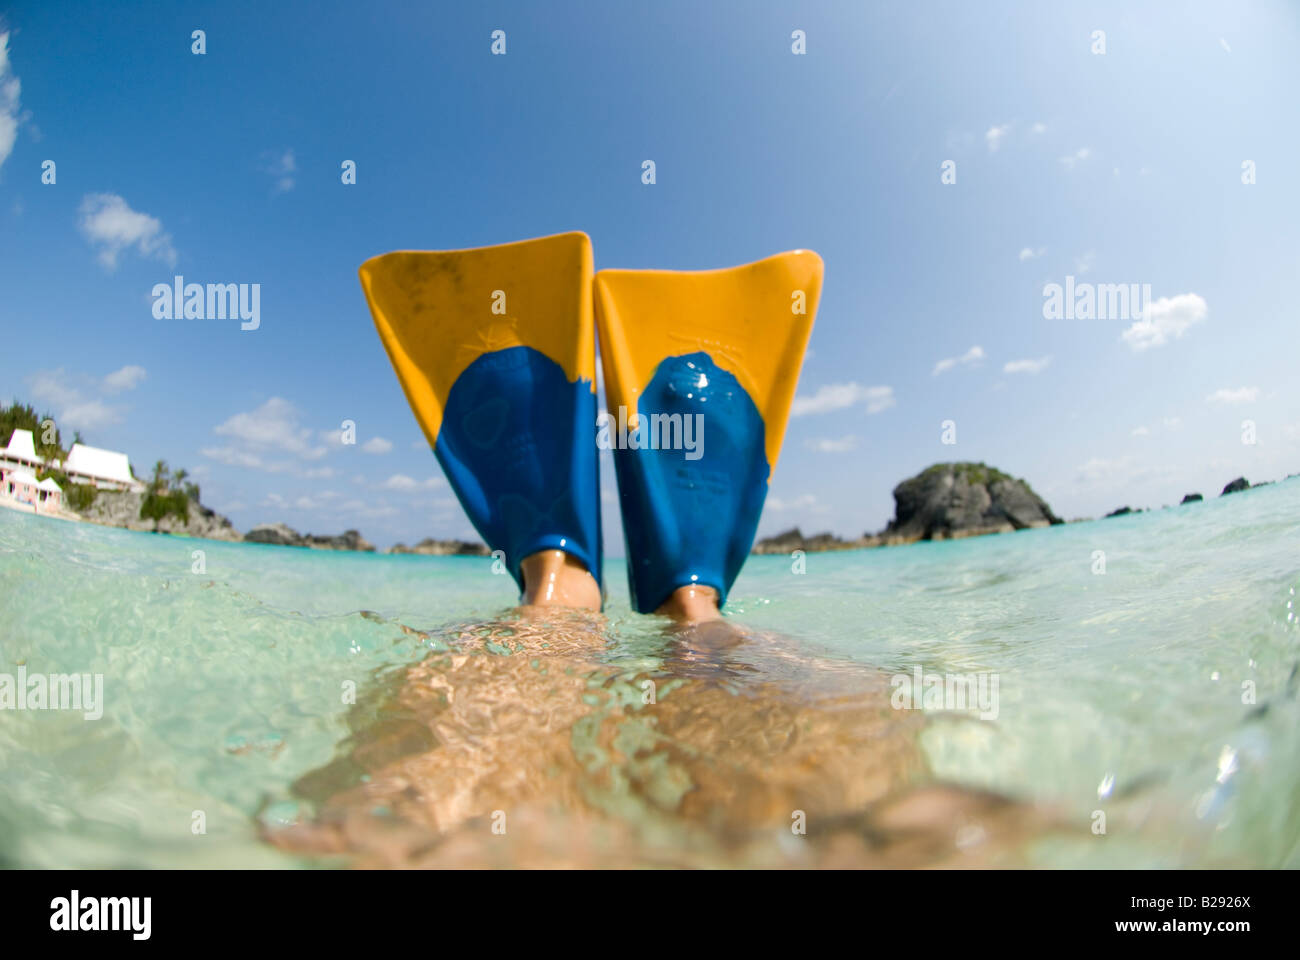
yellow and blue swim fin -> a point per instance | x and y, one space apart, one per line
495 350
709 357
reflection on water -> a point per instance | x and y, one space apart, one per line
543 740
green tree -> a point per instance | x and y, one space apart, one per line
168 493
161 477
23 416
79 496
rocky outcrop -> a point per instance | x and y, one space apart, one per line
347 540
122 509
1236 486
430 547
792 540
951 500
279 534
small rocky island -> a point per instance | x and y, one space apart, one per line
951 500
943 502
430 547
282 535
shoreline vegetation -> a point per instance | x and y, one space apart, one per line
946 501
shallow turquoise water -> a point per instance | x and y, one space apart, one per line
222 687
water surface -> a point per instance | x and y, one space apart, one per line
287 707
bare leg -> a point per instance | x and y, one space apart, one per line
553 578
692 604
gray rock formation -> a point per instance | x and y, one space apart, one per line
1192 498
443 548
122 509
1121 512
347 540
951 500
1236 486
792 540
278 534
282 535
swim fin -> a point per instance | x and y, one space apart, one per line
495 350
708 360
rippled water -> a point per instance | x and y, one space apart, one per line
481 737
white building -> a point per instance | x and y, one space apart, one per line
21 486
20 453
43 496
105 469
49 495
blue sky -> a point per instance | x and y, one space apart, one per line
1117 167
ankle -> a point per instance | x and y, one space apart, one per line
694 603
553 578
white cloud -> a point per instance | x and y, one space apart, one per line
88 415
273 428
1028 253
993 137
879 399
73 409
1224 43
367 510
1165 319
128 378
1080 155
827 445
377 445
236 458
1237 396
404 484
1039 128
973 355
10 87
51 387
318 501
840 396
112 226
1027 366
282 165
1168 423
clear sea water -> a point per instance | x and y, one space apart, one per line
1158 696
